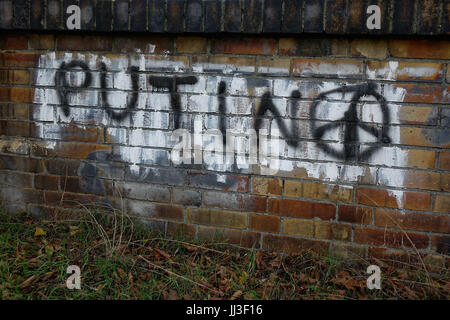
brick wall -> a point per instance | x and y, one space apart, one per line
363 124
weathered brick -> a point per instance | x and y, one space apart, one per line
141 191
313 15
14 77
181 230
18 179
42 41
425 49
412 221
292 189
14 42
146 44
217 218
347 251
14 111
231 201
78 150
265 223
239 237
274 66
424 137
26 195
319 191
264 46
301 209
84 42
192 44
291 245
21 164
403 70
25 59
385 198
187 196
210 180
312 47
377 49
441 203
380 237
444 161
317 229
14 146
266 186
327 68
15 128
147 209
45 181
355 214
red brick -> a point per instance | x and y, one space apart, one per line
412 221
265 223
68 200
354 214
263 46
301 209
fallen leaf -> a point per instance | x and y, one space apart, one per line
236 295
39 232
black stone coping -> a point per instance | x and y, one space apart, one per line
398 17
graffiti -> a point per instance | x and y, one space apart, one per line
351 123
351 144
62 83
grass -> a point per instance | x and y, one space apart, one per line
122 259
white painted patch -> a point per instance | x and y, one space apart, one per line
143 138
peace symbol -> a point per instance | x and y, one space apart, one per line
351 150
